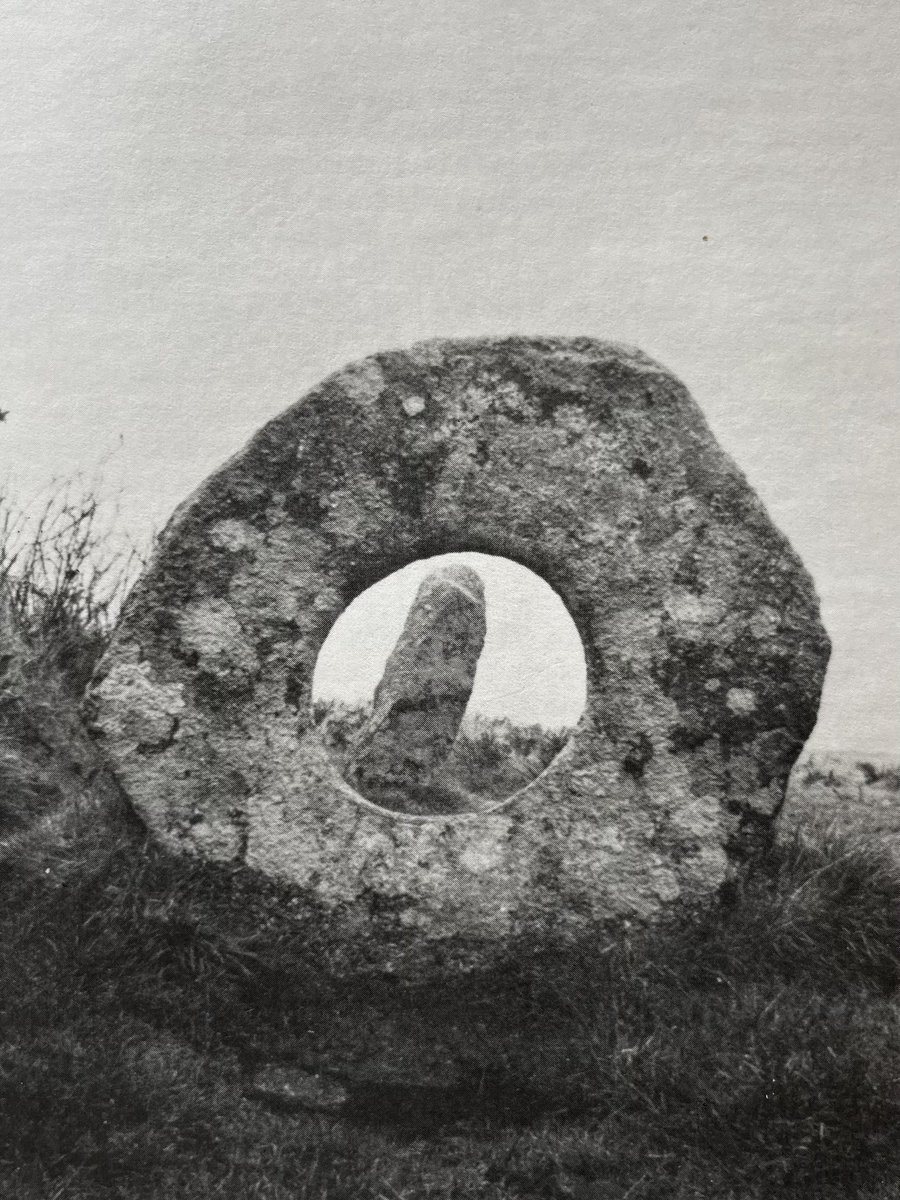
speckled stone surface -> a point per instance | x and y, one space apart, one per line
428 678
585 461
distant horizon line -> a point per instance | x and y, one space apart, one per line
810 748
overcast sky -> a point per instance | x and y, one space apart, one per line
531 668
208 207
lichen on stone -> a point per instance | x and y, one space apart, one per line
585 461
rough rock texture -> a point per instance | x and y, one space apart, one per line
585 461
426 686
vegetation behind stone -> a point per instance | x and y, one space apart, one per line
491 758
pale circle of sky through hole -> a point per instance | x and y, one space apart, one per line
531 670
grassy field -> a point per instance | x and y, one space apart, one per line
753 1054
750 1054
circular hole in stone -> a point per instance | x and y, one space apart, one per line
450 684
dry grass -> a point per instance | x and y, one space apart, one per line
61 585
63 576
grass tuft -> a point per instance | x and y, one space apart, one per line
63 577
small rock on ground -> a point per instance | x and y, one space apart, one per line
293 1088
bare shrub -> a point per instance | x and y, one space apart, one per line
64 572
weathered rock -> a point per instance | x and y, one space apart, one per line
425 688
587 462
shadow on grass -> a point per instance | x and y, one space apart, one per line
757 1046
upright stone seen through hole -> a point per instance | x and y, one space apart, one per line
428 679
478 690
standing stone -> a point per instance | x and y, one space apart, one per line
587 462
420 701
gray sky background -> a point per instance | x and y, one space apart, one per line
208 207
531 668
